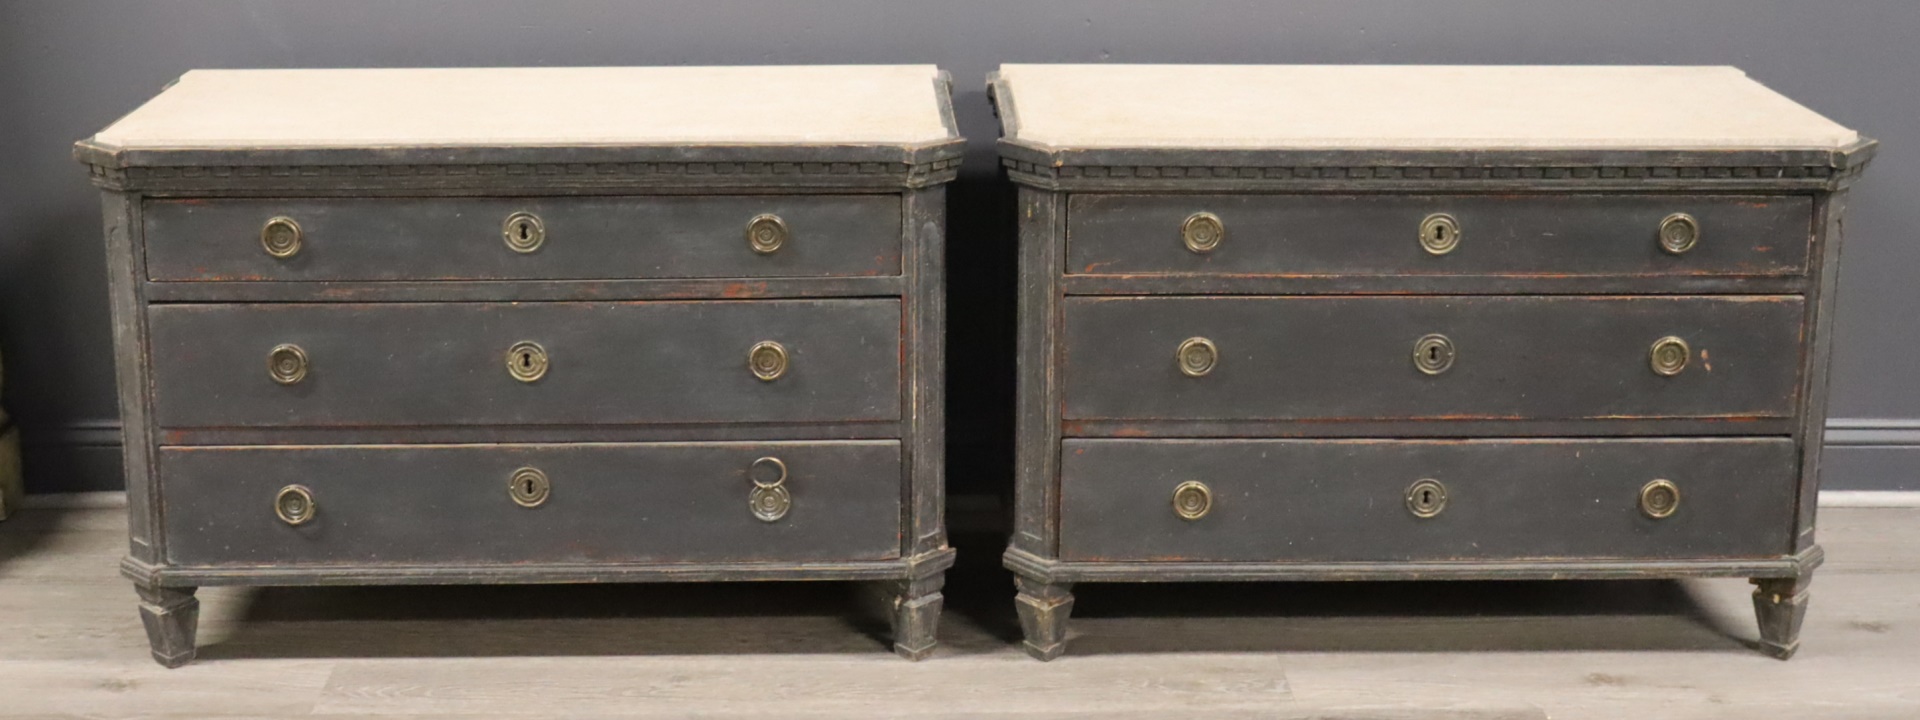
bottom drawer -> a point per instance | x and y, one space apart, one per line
1356 500
603 503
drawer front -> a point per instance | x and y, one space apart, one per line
577 238
449 363
604 503
1306 358
1346 500
1382 235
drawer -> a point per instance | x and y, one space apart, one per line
603 503
1347 500
524 363
1517 235
577 238
1514 358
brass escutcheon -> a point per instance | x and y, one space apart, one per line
770 503
523 232
1202 232
1426 498
529 487
1659 499
767 360
1433 354
1192 500
281 237
1669 356
287 364
294 504
766 233
1197 356
1679 232
527 361
1439 234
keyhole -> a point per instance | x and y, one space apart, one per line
1433 353
1426 497
526 361
1439 232
523 230
529 489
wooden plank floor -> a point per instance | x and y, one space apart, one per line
71 646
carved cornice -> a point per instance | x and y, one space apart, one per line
576 175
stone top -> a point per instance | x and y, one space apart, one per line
1341 107
539 107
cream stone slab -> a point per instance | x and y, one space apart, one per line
1374 107
538 107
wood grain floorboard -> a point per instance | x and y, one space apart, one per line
71 646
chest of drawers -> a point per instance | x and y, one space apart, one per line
1347 323
532 325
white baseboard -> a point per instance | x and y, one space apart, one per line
1869 498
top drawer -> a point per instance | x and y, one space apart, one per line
1307 235
547 238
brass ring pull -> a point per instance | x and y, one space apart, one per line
1669 356
1433 354
1659 499
769 499
281 237
1426 498
1202 232
766 233
529 487
1192 500
767 467
523 232
527 361
294 504
767 360
1439 234
1679 232
287 364
1197 356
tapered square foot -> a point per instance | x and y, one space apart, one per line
914 610
172 618
1044 608
1780 605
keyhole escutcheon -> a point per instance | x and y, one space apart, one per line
523 232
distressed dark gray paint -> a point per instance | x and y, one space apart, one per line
1308 235
1351 358
586 238
421 505
1344 500
446 363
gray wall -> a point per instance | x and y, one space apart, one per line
69 67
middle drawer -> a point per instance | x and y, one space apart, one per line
1443 357
220 365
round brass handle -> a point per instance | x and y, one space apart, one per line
1197 356
287 364
527 361
1433 354
1202 232
1439 234
529 487
1679 232
767 360
1192 500
1659 499
767 472
281 237
766 233
523 232
1426 498
294 504
1669 356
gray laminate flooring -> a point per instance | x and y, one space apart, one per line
71 645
